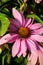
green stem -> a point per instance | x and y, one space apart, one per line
3 58
21 7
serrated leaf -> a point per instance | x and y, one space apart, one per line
4 23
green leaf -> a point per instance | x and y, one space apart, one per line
3 59
35 17
6 11
4 0
24 62
21 60
4 23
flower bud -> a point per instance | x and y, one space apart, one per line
38 1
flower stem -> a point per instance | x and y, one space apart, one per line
21 7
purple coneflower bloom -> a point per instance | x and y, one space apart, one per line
24 33
38 1
25 0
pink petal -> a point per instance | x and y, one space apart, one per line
38 38
19 54
15 23
31 23
38 1
15 48
12 29
23 48
33 59
28 60
25 0
38 31
5 39
24 54
28 63
40 57
17 15
38 46
41 48
32 46
13 38
36 26
28 22
23 19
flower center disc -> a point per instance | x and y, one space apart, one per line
23 32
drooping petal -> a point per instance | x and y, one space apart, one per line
32 46
19 54
5 39
13 38
28 21
12 29
28 63
34 59
15 23
23 48
16 47
28 60
17 15
36 26
38 38
40 57
38 31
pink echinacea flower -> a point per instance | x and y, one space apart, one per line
38 1
24 34
25 0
